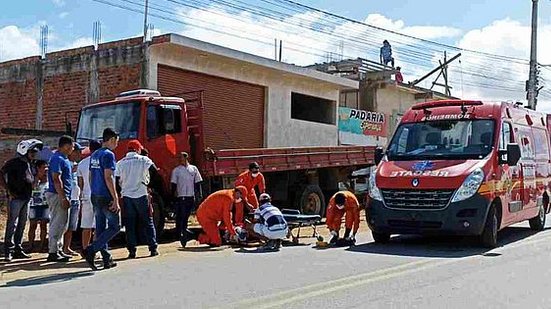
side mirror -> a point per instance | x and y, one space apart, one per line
379 154
513 154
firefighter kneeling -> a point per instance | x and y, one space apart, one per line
343 202
216 209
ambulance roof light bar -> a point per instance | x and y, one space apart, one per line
444 103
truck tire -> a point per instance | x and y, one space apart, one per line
538 223
380 238
489 235
311 201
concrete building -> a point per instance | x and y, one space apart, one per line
249 101
378 92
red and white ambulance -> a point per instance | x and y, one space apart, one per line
462 168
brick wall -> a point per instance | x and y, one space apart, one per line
38 93
117 79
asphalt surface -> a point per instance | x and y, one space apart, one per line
410 272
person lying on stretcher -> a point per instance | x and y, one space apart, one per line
268 224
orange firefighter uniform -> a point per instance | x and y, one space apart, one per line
247 180
217 208
351 209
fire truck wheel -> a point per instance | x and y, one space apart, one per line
538 223
380 238
311 201
489 234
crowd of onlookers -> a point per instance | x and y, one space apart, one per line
66 193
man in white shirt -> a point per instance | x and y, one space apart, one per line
133 175
87 220
186 186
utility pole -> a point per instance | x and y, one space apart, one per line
145 26
532 83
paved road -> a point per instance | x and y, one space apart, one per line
410 272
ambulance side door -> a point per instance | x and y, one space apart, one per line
510 182
528 164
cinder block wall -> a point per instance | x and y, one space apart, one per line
39 93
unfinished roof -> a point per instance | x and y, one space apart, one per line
343 83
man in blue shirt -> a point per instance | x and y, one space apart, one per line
386 54
60 181
104 199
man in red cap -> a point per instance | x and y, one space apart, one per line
133 176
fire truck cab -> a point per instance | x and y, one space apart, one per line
462 168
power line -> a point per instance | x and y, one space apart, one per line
361 43
400 34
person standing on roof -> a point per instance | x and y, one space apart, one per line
186 186
216 209
16 177
251 179
269 224
60 184
341 204
386 54
104 199
87 220
133 176
398 75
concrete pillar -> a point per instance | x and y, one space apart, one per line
39 79
93 86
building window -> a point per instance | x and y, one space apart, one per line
308 108
350 99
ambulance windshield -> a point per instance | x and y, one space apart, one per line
445 139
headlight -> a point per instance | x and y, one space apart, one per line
374 192
470 186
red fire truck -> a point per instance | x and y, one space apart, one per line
301 178
462 167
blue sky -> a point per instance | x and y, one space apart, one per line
491 26
72 19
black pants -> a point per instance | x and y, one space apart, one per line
184 206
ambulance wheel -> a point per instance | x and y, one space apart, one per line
489 234
311 201
538 223
380 238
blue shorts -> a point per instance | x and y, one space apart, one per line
74 213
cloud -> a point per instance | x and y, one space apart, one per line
509 38
59 3
62 15
423 32
79 42
474 76
18 43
